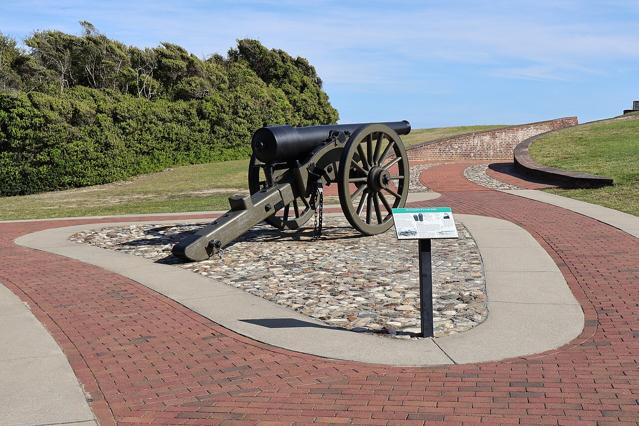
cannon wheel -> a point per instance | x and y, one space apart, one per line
291 216
373 178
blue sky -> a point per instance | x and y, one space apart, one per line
435 63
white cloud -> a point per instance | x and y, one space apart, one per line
368 43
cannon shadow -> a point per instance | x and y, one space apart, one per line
288 323
158 236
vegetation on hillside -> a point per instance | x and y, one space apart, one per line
85 110
607 149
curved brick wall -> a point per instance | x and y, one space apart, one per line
497 144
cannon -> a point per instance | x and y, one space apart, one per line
288 169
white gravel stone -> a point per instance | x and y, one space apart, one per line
477 174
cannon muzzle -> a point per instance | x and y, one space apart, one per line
285 143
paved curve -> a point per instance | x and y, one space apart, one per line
147 359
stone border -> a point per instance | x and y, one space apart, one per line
493 138
37 384
562 178
527 298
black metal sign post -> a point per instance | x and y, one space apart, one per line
426 288
423 225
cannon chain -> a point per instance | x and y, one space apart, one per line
317 204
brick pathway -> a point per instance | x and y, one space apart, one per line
146 359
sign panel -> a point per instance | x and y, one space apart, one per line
424 223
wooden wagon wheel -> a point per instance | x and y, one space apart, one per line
291 216
373 178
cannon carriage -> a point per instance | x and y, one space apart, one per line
290 166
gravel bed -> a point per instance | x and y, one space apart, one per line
477 174
415 184
365 284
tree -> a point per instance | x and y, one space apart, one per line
296 77
143 66
9 53
53 50
98 61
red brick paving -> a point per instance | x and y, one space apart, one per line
146 359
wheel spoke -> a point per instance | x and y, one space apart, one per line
360 206
369 149
385 202
362 157
356 193
358 179
360 168
396 177
393 193
392 163
378 147
378 212
306 204
386 151
369 207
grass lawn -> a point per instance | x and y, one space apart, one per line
189 188
608 149
199 187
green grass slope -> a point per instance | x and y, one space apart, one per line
607 149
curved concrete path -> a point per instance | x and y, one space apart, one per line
37 385
147 359
620 220
527 297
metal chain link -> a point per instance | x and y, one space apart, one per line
319 214
317 204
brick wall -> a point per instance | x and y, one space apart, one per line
495 144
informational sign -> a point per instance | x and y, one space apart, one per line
424 223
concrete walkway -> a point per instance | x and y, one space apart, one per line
147 359
37 385
620 220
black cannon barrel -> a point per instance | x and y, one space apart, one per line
284 143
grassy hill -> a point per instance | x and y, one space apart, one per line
199 187
607 149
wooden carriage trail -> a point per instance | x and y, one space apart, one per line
146 359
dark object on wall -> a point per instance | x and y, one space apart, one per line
288 169
635 108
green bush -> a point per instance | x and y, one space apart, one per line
86 110
87 136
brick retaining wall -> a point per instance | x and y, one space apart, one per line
497 144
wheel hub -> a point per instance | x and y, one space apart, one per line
378 178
